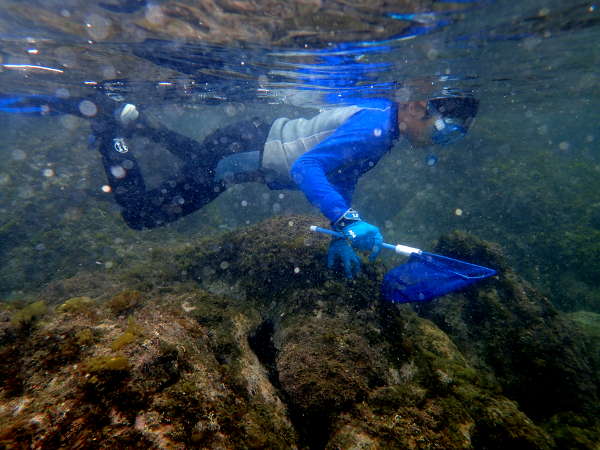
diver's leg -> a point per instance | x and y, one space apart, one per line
171 200
121 167
176 197
239 137
183 147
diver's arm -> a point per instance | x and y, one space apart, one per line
328 172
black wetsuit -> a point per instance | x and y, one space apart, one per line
184 192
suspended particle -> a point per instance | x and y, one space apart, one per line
62 93
88 108
19 155
118 172
431 160
97 26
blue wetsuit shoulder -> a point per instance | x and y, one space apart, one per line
327 174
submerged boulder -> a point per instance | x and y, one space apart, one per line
247 341
542 358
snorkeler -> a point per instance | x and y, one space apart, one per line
324 156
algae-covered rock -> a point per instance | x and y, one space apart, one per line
124 301
247 341
102 364
512 331
131 334
76 305
29 313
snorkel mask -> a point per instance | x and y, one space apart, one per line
453 117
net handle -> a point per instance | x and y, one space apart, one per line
407 251
400 249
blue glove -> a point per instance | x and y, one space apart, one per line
364 237
340 249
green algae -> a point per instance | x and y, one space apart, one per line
348 369
76 305
574 431
85 337
124 301
132 333
589 322
29 313
101 364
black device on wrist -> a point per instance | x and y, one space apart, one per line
349 217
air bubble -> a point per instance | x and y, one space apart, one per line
431 160
88 108
62 93
118 172
230 110
19 155
97 26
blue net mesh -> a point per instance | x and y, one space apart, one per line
426 276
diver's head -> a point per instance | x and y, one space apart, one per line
440 120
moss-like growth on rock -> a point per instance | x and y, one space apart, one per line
76 305
241 354
124 301
29 313
512 331
132 333
99 364
85 337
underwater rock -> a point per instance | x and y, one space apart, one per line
510 331
247 341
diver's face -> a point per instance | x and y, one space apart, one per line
415 124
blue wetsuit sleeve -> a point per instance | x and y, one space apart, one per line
327 174
38 105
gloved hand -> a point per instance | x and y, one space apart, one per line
340 249
364 237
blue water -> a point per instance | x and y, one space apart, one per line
524 177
